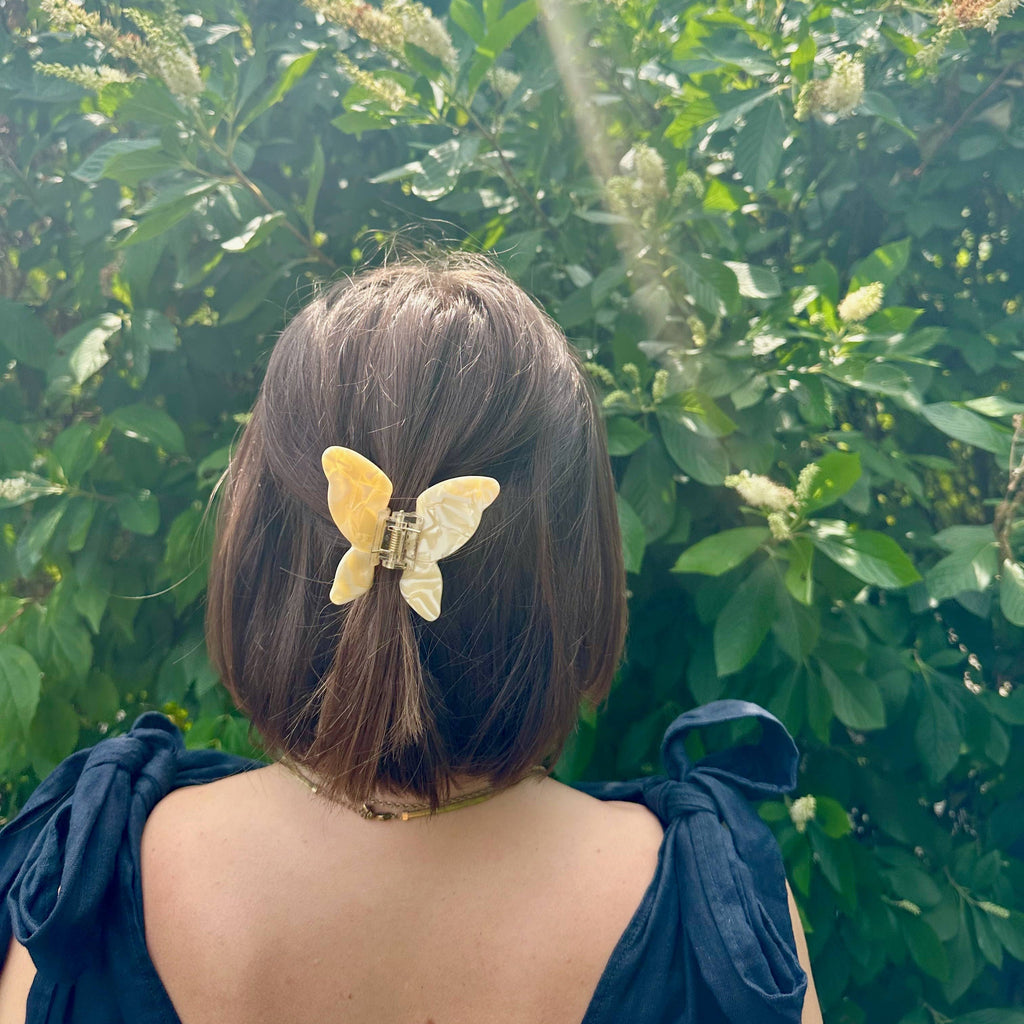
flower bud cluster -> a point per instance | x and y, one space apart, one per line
383 90
640 185
862 303
163 51
801 811
761 492
392 26
376 26
503 81
805 482
839 94
978 13
779 524
94 76
689 185
422 29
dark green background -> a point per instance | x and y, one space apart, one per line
151 246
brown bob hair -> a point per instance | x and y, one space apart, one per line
431 369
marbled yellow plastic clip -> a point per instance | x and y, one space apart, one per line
447 515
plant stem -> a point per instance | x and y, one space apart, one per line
963 118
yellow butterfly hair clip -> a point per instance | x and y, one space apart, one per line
447 515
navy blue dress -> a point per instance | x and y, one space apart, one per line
710 942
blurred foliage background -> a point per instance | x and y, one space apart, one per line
787 237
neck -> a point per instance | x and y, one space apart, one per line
394 805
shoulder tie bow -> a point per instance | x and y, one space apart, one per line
447 515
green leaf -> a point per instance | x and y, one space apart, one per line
148 101
152 426
885 264
93 167
1011 592
910 882
20 686
703 458
968 427
31 544
856 700
76 449
711 283
965 569
440 167
295 70
625 435
723 551
879 105
993 1015
16 451
66 641
1011 934
139 513
252 298
54 731
90 601
870 556
755 282
927 951
833 858
254 232
161 216
799 578
464 14
954 537
355 122
994 405
877 377
78 522
135 167
801 60
832 817
988 942
502 32
759 145
633 536
650 489
837 473
937 737
152 330
98 698
744 622
82 352
24 335
315 176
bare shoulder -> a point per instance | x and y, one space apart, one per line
196 840
629 834
16 975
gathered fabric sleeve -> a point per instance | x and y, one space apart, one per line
69 875
712 940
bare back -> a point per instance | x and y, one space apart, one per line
265 903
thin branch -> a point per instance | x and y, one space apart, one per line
964 117
1007 509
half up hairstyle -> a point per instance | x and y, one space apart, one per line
431 370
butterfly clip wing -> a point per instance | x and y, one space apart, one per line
357 492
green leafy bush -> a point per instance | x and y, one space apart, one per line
786 238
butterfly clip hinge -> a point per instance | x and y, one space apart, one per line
396 538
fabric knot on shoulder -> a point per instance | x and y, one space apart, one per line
58 894
75 842
729 867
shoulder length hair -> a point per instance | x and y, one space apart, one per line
430 369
